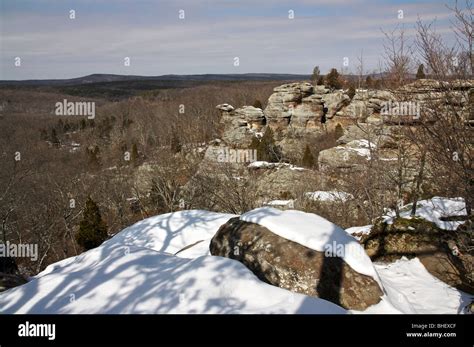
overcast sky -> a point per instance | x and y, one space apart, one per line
213 32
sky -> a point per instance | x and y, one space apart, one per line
267 36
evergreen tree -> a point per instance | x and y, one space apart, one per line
257 104
92 229
351 92
308 159
320 81
369 82
54 138
175 143
333 79
420 74
134 155
338 131
266 148
316 75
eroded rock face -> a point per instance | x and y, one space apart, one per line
240 124
292 266
417 237
284 183
353 155
294 112
335 102
381 136
282 103
252 116
307 114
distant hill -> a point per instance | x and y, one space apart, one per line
104 78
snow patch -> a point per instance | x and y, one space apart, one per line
281 203
329 196
269 165
433 210
412 289
358 232
144 281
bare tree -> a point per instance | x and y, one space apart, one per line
463 28
397 52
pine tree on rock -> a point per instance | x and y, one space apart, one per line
351 92
92 229
333 79
420 74
266 148
316 75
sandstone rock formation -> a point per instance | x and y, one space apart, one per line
240 124
353 155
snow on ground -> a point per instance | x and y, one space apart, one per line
281 203
433 210
142 280
361 147
330 195
412 289
136 272
269 165
357 232
314 232
171 232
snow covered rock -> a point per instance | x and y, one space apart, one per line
439 210
436 248
303 253
329 196
353 155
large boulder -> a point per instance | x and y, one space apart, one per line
293 266
251 116
307 114
354 156
283 101
380 135
437 249
284 182
240 124
239 137
335 102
